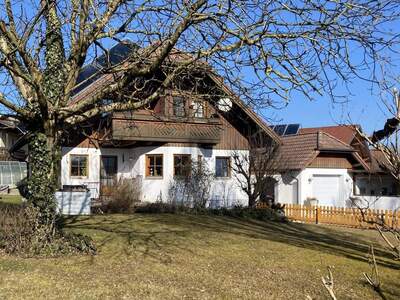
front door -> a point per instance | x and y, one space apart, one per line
108 173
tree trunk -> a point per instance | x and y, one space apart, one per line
44 167
252 200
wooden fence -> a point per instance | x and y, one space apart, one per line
351 217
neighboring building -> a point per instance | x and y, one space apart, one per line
12 167
333 166
153 145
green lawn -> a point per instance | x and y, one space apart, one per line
13 199
163 256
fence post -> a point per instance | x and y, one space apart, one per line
316 214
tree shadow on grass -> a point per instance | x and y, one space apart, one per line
120 235
158 236
315 237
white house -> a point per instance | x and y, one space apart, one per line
333 166
153 145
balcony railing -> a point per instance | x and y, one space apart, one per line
162 129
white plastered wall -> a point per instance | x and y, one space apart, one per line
131 163
302 181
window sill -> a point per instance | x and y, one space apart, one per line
154 177
223 178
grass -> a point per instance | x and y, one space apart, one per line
164 256
11 199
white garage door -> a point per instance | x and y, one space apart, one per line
326 188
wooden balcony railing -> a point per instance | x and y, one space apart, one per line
207 131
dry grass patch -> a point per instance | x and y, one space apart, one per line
201 257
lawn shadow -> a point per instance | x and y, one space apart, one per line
315 237
122 236
152 235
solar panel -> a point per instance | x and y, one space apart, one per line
292 129
280 129
286 129
92 71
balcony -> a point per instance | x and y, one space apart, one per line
146 127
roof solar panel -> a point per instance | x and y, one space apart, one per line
285 129
280 129
292 129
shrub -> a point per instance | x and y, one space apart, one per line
264 214
21 233
123 196
160 207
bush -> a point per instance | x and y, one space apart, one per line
235 212
264 214
160 208
21 233
123 196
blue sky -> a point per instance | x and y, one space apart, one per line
363 108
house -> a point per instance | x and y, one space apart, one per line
12 167
333 166
152 146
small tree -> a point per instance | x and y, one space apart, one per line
254 170
192 190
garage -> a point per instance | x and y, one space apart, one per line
326 189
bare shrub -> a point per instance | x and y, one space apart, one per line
21 233
193 190
124 195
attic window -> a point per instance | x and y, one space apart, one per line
178 107
198 109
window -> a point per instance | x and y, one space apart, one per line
79 165
198 109
222 167
182 165
178 107
154 165
108 169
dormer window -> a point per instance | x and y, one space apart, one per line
178 106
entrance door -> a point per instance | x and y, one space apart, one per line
108 173
326 188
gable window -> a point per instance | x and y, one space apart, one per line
198 109
154 165
182 165
79 165
222 167
178 106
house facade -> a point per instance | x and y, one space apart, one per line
154 146
333 166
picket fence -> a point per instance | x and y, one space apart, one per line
350 217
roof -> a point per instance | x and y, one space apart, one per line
345 133
91 79
298 151
379 163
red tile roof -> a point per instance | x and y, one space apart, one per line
345 133
298 151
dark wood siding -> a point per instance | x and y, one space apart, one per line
331 162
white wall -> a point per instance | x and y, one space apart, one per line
131 163
285 189
297 187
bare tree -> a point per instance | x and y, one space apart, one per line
254 170
286 45
386 142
